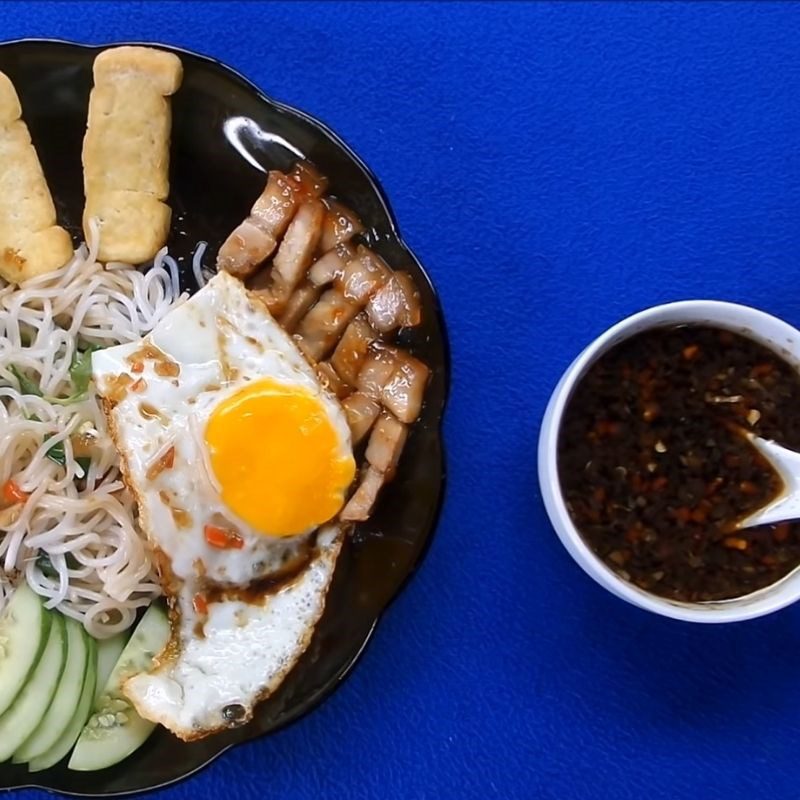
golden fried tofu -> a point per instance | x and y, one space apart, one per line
31 243
126 151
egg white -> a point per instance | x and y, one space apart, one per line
221 338
243 656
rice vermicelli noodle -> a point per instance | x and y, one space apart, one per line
74 537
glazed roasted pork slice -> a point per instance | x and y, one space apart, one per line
297 249
332 382
340 225
361 412
395 380
325 323
404 392
386 443
396 304
377 370
342 303
331 265
384 448
300 301
295 254
359 507
321 328
363 275
307 181
305 237
255 239
350 353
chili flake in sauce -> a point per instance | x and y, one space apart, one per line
656 474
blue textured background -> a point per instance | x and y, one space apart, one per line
555 167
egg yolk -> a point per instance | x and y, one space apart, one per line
277 458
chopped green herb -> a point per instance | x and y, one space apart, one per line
81 345
46 565
81 369
77 397
81 374
26 385
56 453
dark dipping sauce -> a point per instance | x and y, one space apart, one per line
656 471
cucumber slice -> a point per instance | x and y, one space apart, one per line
108 653
65 700
17 724
73 730
24 628
115 730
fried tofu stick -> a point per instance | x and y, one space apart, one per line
30 241
126 151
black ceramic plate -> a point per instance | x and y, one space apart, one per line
223 129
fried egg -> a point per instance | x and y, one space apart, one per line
239 459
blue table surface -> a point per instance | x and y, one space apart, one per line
555 167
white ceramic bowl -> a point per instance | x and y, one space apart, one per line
758 325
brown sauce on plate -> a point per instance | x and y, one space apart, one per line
259 588
656 472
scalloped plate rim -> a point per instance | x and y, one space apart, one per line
326 691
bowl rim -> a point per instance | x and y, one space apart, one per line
325 691
783 338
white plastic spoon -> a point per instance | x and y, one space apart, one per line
786 506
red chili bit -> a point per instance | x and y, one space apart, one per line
660 483
781 532
593 515
714 486
633 534
12 494
137 367
139 385
599 494
682 514
726 337
222 539
200 604
761 370
690 352
651 411
699 515
604 427
734 543
167 461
